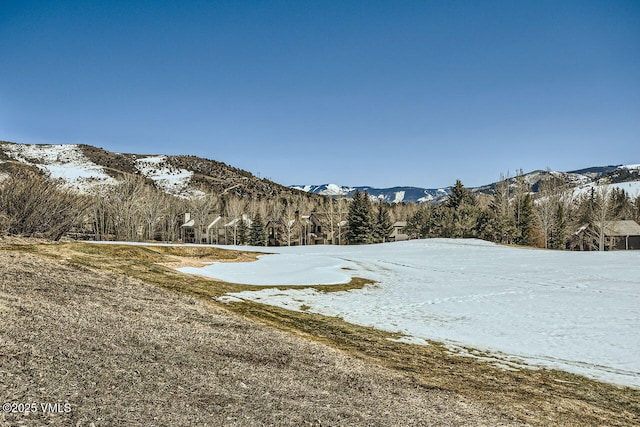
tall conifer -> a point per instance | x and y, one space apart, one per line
242 232
382 225
359 218
258 234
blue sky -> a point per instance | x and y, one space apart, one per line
376 93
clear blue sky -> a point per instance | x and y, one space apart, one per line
377 93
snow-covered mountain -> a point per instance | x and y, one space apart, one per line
622 176
390 195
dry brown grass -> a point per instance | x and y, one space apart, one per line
535 397
122 352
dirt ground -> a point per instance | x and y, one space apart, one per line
112 351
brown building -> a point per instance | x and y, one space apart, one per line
622 234
618 235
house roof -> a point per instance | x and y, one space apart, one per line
211 220
215 221
235 221
581 229
622 228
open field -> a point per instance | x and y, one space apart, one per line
125 339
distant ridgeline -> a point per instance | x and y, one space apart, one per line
81 191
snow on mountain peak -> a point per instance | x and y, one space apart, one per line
335 190
306 188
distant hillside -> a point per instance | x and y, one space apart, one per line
578 179
575 179
87 169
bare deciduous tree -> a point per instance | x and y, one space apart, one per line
603 212
200 209
152 206
34 206
548 202
235 207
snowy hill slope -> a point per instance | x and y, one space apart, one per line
88 169
64 162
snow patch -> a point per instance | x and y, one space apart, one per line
170 179
306 188
632 188
630 167
399 197
335 190
227 299
65 162
409 340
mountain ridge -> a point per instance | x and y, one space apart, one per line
88 168
576 178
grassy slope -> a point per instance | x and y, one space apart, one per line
537 397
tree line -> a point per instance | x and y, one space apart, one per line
32 205
134 210
554 217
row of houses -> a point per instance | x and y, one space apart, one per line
312 229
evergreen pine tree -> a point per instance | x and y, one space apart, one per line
559 230
242 232
419 224
360 227
459 196
441 222
465 221
522 211
524 220
587 208
585 220
621 204
258 234
463 215
382 226
485 226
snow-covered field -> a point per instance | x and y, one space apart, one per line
578 312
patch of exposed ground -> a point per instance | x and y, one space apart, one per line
175 261
122 352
